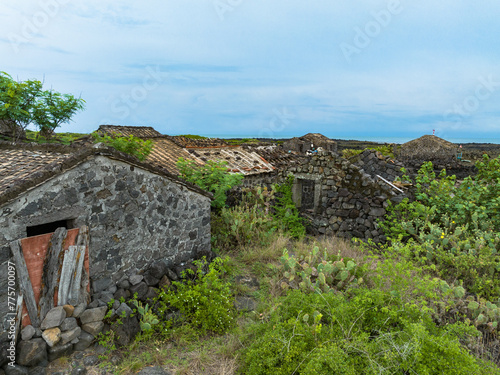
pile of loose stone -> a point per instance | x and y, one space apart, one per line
68 328
63 330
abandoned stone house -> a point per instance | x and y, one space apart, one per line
136 213
338 196
310 142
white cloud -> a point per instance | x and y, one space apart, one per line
232 72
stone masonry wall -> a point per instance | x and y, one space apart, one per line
347 200
261 179
135 217
374 163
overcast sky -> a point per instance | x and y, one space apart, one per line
273 68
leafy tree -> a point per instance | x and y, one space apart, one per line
131 145
18 101
25 103
212 176
55 109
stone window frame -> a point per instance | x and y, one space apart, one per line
297 189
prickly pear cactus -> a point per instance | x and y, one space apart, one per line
315 272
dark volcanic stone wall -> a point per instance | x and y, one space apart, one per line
135 217
374 163
347 200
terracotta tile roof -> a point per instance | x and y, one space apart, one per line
239 160
168 149
136 131
17 166
197 143
165 154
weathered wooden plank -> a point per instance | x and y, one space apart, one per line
24 281
76 279
83 236
84 240
51 271
67 270
19 314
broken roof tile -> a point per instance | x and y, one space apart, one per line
136 131
187 142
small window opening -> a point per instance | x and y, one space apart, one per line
37 230
307 198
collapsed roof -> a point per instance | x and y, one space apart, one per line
168 149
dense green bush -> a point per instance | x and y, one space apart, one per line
477 196
131 145
212 176
203 298
399 320
372 332
454 227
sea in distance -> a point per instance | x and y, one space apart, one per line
381 139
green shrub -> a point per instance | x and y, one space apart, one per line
248 223
455 228
240 226
64 138
212 176
371 332
258 216
445 302
286 212
349 153
478 196
206 301
130 145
